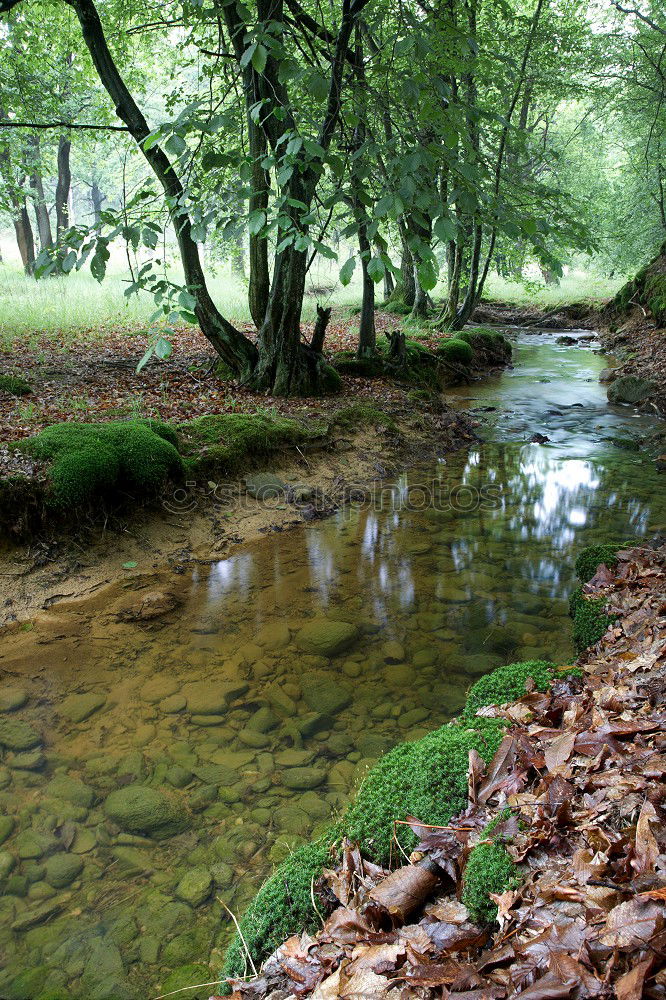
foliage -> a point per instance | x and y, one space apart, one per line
14 385
456 351
489 868
508 683
94 461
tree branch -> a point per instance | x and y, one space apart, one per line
41 125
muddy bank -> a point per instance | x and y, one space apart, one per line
206 520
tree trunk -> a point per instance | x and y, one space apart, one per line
260 278
63 187
233 347
367 337
321 325
421 300
389 285
407 274
97 199
25 239
41 209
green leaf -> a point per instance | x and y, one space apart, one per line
376 269
163 348
256 222
187 300
259 58
175 145
347 270
318 86
427 275
146 358
444 229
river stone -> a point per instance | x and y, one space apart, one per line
31 844
62 869
325 637
273 635
84 841
222 874
7 862
294 758
212 697
252 738
104 973
195 886
264 486
158 688
146 810
38 914
291 819
325 694
393 651
400 675
27 760
173 704
178 776
12 698
186 977
79 707
18 735
631 389
71 790
281 702
6 827
263 720
302 778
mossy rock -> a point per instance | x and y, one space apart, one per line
456 352
186 977
86 461
139 809
592 556
347 363
590 619
14 385
490 347
631 389
358 415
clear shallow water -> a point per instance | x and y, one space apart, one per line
447 573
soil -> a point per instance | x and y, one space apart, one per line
640 347
213 519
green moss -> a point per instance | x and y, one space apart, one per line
508 683
489 868
593 556
226 441
329 379
14 385
362 415
456 351
282 907
590 619
347 363
89 461
426 778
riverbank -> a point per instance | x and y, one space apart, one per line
548 882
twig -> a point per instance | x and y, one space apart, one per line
196 986
314 905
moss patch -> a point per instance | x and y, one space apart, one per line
456 351
14 385
489 868
357 415
508 683
590 619
89 461
593 556
225 442
282 907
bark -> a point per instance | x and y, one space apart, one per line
97 199
25 238
63 187
232 346
260 276
367 337
321 325
407 272
389 285
41 209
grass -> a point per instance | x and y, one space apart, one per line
576 286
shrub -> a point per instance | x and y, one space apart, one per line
456 351
489 868
282 907
593 556
508 683
95 460
14 385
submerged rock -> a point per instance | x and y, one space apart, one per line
70 790
195 886
18 735
12 698
79 707
325 637
325 694
212 697
301 778
62 869
146 810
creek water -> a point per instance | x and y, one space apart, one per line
253 709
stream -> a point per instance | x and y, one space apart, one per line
236 725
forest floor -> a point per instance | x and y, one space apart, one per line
578 783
